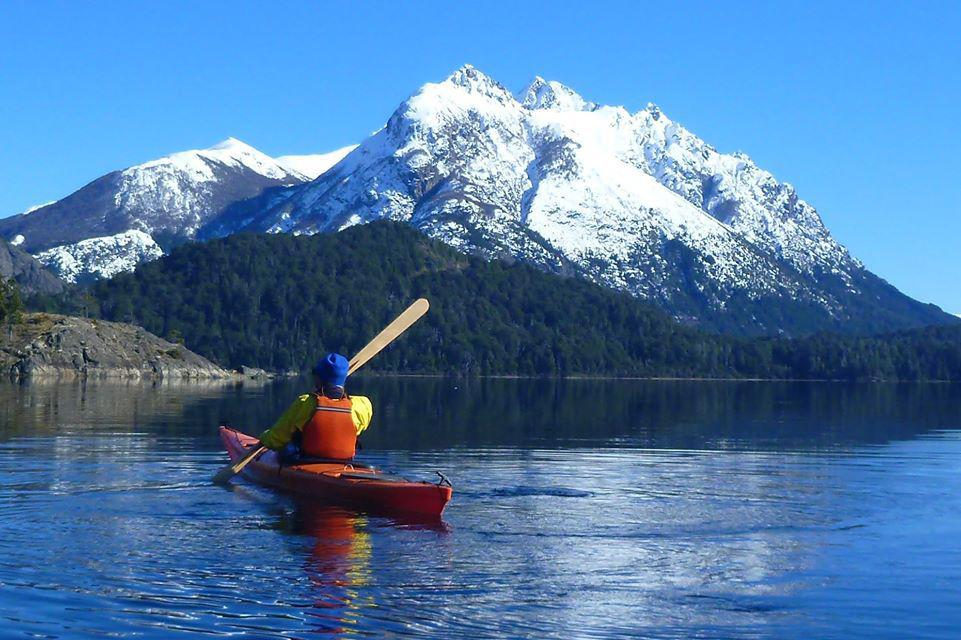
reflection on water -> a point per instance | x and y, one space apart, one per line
437 413
581 509
338 565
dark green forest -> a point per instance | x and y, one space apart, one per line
280 301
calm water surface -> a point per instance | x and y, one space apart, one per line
581 509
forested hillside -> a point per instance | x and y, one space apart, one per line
279 301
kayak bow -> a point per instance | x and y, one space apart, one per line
340 482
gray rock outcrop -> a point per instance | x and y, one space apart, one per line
48 345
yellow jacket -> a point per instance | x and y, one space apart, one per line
302 409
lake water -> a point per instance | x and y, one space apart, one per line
581 509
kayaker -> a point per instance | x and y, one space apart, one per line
325 423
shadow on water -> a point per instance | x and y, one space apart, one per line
437 413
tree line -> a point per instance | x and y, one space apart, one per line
279 301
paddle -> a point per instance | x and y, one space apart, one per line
390 333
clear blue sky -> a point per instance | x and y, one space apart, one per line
857 104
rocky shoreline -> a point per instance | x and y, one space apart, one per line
55 346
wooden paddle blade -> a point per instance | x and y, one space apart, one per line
400 324
224 475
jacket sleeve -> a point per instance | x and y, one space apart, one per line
294 418
361 411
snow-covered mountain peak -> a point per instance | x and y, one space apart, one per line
231 143
550 94
200 164
178 192
435 107
240 154
476 82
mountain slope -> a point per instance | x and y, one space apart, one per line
631 201
28 272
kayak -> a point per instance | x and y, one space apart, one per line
341 482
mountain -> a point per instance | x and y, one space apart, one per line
166 200
633 201
28 272
279 300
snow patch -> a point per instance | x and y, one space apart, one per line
17 240
100 257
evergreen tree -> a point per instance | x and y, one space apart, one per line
11 304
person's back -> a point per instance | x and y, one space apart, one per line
326 422
331 431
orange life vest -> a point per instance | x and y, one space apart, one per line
330 432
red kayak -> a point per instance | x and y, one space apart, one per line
341 482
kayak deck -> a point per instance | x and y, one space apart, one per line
340 482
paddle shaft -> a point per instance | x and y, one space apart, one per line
400 324
391 332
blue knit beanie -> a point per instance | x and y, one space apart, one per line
332 369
